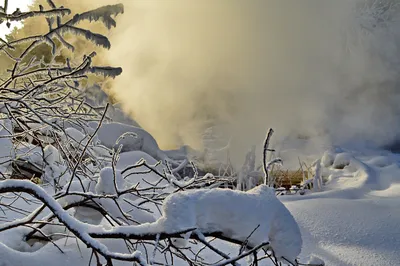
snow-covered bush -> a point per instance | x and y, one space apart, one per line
103 180
223 211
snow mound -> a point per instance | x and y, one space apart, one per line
380 161
141 176
236 214
328 158
354 220
127 159
106 185
84 185
51 155
342 160
136 138
361 172
132 139
315 261
109 181
75 137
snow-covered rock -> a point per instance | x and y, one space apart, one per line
135 139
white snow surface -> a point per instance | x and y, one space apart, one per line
354 220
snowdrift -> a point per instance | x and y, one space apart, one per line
354 219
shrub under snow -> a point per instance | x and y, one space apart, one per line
236 214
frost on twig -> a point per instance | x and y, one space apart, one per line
317 180
268 180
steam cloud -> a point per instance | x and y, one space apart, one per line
326 69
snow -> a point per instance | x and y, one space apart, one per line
130 158
51 155
341 160
78 228
221 210
179 154
106 185
351 219
7 150
354 220
328 158
315 261
29 152
75 137
84 185
109 181
140 176
132 138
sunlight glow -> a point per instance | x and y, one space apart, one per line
12 6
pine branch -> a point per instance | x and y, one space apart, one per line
103 14
96 38
106 71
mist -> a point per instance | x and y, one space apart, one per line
324 70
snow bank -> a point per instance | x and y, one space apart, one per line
179 154
236 214
354 220
361 172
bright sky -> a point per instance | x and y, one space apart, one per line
12 5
